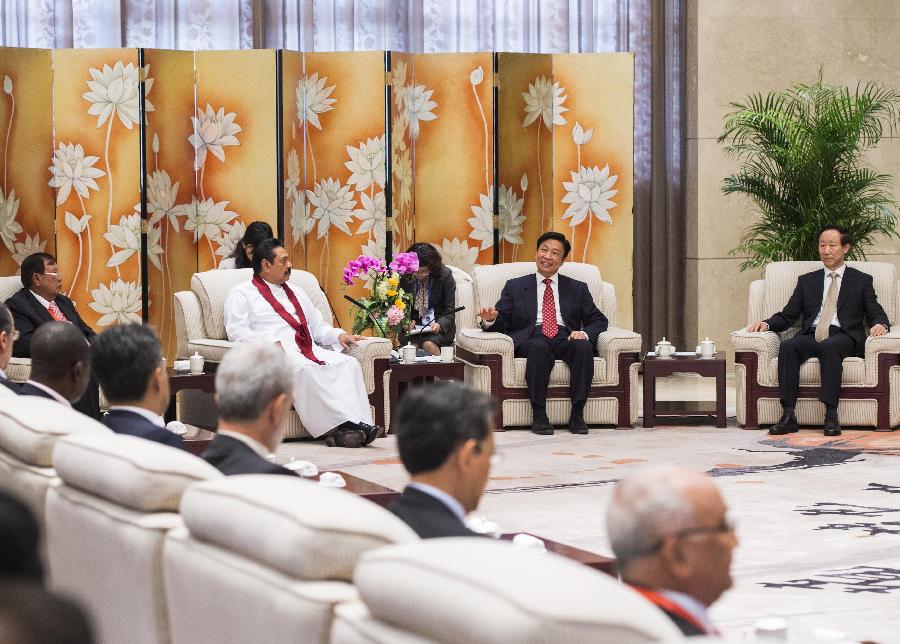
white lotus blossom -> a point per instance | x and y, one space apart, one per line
579 135
293 167
372 215
398 129
545 100
511 217
117 302
213 131
161 197
29 246
125 235
71 169
457 253
230 237
398 82
313 99
154 144
301 220
367 163
483 222
332 205
9 227
418 107
154 246
115 91
76 224
589 191
207 218
402 166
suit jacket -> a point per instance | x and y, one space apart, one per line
123 421
857 303
428 517
13 386
517 309
27 389
443 299
29 314
231 456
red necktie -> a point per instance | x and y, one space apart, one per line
55 313
548 311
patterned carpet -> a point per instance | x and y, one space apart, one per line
818 518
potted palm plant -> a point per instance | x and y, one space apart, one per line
800 152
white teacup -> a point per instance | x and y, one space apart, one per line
447 354
408 354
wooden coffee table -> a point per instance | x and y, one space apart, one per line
590 559
655 367
374 492
181 380
402 376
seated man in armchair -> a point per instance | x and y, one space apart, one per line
831 303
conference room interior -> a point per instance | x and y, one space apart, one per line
138 149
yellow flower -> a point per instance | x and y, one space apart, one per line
391 293
393 281
400 304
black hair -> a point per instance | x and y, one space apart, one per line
123 360
434 419
429 257
844 233
257 232
552 234
55 348
34 265
265 250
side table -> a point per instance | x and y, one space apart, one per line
181 380
658 367
403 375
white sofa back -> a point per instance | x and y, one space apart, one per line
490 280
270 556
106 520
480 590
465 296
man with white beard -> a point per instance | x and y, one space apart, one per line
329 392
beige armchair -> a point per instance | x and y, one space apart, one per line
870 386
18 369
200 326
492 367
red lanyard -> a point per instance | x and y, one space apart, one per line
301 330
670 606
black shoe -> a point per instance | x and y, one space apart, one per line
542 427
372 431
343 437
577 424
832 427
787 424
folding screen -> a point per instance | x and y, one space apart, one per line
26 126
97 176
170 186
297 223
236 142
403 89
450 110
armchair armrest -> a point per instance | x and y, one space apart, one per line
478 341
366 351
875 346
611 343
765 343
188 320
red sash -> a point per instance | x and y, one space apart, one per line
669 606
301 330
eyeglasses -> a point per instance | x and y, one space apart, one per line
14 334
727 524
56 274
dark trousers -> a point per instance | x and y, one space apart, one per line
830 352
540 352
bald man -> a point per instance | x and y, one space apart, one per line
60 363
673 542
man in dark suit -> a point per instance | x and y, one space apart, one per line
60 364
446 442
673 542
550 317
41 301
253 394
8 336
128 363
832 304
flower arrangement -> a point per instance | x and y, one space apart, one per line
388 307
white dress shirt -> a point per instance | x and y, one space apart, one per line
52 392
541 287
44 303
156 419
839 278
452 504
252 443
693 606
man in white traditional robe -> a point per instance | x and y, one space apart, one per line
329 391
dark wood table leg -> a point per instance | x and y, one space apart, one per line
649 395
720 395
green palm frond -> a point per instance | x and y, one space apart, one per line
800 155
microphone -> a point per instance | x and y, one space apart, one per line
366 309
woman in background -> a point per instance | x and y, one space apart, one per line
433 292
256 232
